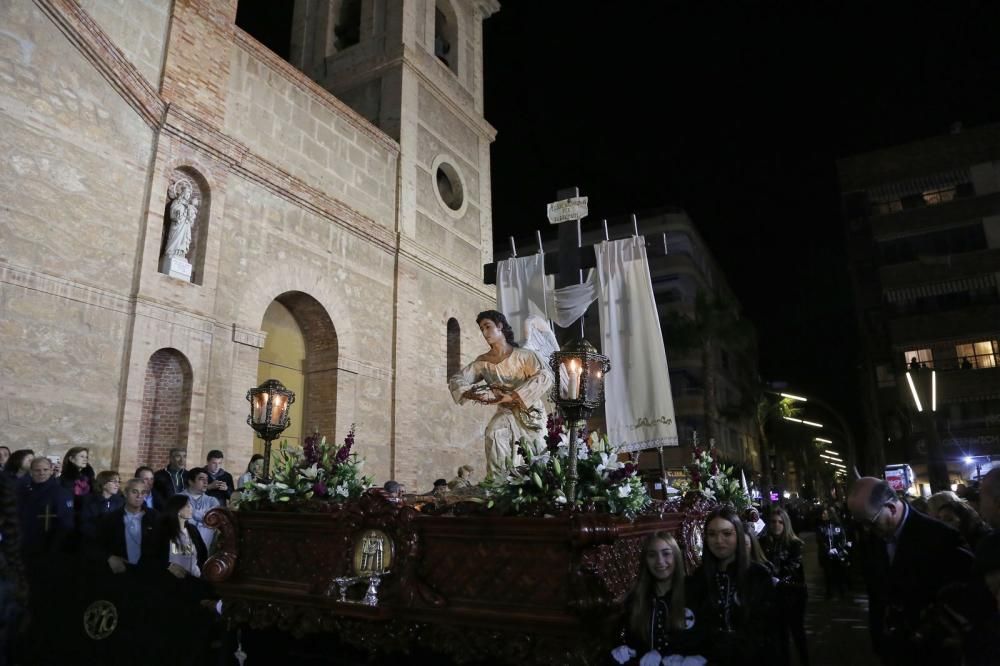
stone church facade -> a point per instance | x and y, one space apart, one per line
352 187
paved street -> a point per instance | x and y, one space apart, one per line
837 629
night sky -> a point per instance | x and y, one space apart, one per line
737 112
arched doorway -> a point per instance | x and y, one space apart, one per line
166 407
300 351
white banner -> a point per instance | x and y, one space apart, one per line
639 407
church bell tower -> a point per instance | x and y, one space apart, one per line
414 68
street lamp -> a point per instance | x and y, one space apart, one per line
937 469
269 405
578 390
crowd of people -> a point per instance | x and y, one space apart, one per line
933 583
75 539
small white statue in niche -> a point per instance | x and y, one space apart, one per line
184 202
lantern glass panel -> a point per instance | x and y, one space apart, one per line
259 407
569 380
278 408
595 379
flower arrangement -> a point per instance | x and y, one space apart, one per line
320 471
537 485
714 479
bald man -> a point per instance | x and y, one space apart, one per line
989 498
908 559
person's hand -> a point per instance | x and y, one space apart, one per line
177 570
651 658
117 564
622 653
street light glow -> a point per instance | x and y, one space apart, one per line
792 396
933 390
913 391
968 460
820 439
813 424
832 453
792 418
830 458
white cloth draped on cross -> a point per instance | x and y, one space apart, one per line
639 408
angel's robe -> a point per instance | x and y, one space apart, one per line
525 373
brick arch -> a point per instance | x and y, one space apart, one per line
166 406
267 286
319 404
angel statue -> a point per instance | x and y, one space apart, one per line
516 379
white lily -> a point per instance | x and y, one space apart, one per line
608 463
342 490
624 490
310 472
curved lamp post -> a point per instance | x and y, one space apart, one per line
578 390
269 405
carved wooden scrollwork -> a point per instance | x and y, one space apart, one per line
222 563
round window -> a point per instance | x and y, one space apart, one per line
449 186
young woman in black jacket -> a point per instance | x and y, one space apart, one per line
655 621
732 598
784 551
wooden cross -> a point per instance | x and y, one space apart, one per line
47 516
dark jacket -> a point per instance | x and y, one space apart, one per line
153 555
78 481
93 508
830 537
786 560
164 486
738 630
663 638
929 556
221 495
45 513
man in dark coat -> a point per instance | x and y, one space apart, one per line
172 479
45 517
908 559
220 482
130 561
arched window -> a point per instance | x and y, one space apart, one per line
454 355
446 34
166 407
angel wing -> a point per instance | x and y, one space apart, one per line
538 337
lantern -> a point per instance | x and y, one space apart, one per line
578 390
269 404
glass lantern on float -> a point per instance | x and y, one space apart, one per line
578 390
269 404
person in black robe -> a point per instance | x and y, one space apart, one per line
45 518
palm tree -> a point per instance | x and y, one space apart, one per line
764 408
714 326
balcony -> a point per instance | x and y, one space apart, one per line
938 216
972 322
965 385
940 269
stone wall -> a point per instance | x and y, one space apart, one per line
303 201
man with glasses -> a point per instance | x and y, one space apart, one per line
908 558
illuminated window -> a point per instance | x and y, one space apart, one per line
977 354
918 358
932 197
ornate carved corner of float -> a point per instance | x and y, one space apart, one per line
592 529
222 563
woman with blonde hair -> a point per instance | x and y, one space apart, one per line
784 550
655 620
